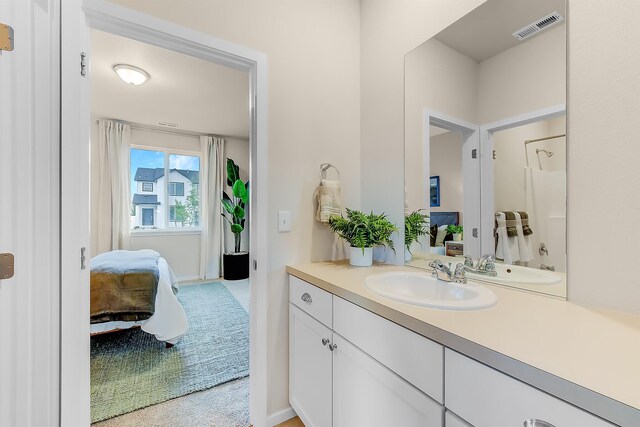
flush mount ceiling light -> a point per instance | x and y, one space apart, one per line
130 74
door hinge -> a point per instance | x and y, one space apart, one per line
494 154
255 264
474 232
6 37
474 153
83 258
6 266
83 64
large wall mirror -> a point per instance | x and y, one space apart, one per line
485 145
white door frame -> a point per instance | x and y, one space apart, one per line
108 17
486 164
470 172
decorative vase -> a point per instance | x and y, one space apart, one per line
235 266
359 259
457 237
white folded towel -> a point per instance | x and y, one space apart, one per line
328 200
524 243
507 248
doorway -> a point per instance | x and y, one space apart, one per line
76 22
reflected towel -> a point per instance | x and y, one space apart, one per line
507 248
328 199
510 223
524 243
524 216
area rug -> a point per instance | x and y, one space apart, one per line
131 369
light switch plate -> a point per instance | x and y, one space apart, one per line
284 221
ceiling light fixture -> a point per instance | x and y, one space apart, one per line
130 74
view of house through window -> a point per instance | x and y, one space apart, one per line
165 191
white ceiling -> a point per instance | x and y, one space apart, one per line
487 30
198 95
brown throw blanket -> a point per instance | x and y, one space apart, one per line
124 285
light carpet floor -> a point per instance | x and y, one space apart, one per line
131 370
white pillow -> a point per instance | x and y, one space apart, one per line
442 232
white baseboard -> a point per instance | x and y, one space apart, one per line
280 416
182 279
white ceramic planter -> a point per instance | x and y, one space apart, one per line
457 237
358 259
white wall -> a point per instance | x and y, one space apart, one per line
528 77
313 54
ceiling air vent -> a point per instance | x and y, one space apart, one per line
538 26
168 125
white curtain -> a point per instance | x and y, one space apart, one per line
213 176
114 200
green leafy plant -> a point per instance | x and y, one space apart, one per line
234 205
362 230
416 225
454 229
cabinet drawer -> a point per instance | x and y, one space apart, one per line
487 398
311 299
411 356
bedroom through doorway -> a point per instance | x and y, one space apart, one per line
170 166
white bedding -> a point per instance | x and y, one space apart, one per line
169 321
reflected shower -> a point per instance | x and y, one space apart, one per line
548 153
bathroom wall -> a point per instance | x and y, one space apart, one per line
525 78
181 249
389 30
603 102
313 54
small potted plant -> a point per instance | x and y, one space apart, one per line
416 225
236 263
456 230
363 232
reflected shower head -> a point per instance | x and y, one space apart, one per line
548 153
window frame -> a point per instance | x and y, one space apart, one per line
145 183
176 184
168 230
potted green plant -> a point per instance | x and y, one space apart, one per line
416 225
456 230
363 232
236 263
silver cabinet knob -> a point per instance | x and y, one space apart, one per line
306 297
325 341
532 422
334 346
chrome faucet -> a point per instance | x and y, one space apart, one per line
486 265
442 272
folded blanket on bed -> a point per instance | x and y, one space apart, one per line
124 285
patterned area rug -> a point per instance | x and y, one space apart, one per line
131 369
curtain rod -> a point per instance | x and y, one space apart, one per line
529 141
140 126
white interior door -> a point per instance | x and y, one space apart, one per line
29 207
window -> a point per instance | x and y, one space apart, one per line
147 217
176 188
174 200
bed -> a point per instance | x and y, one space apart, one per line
166 319
438 221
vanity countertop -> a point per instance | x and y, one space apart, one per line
586 356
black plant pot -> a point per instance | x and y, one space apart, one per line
236 266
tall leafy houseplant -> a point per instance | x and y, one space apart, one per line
416 225
235 265
363 232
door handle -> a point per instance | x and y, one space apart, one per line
7 262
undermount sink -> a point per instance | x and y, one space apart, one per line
511 274
423 290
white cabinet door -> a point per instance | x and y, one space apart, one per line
367 394
487 398
309 369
